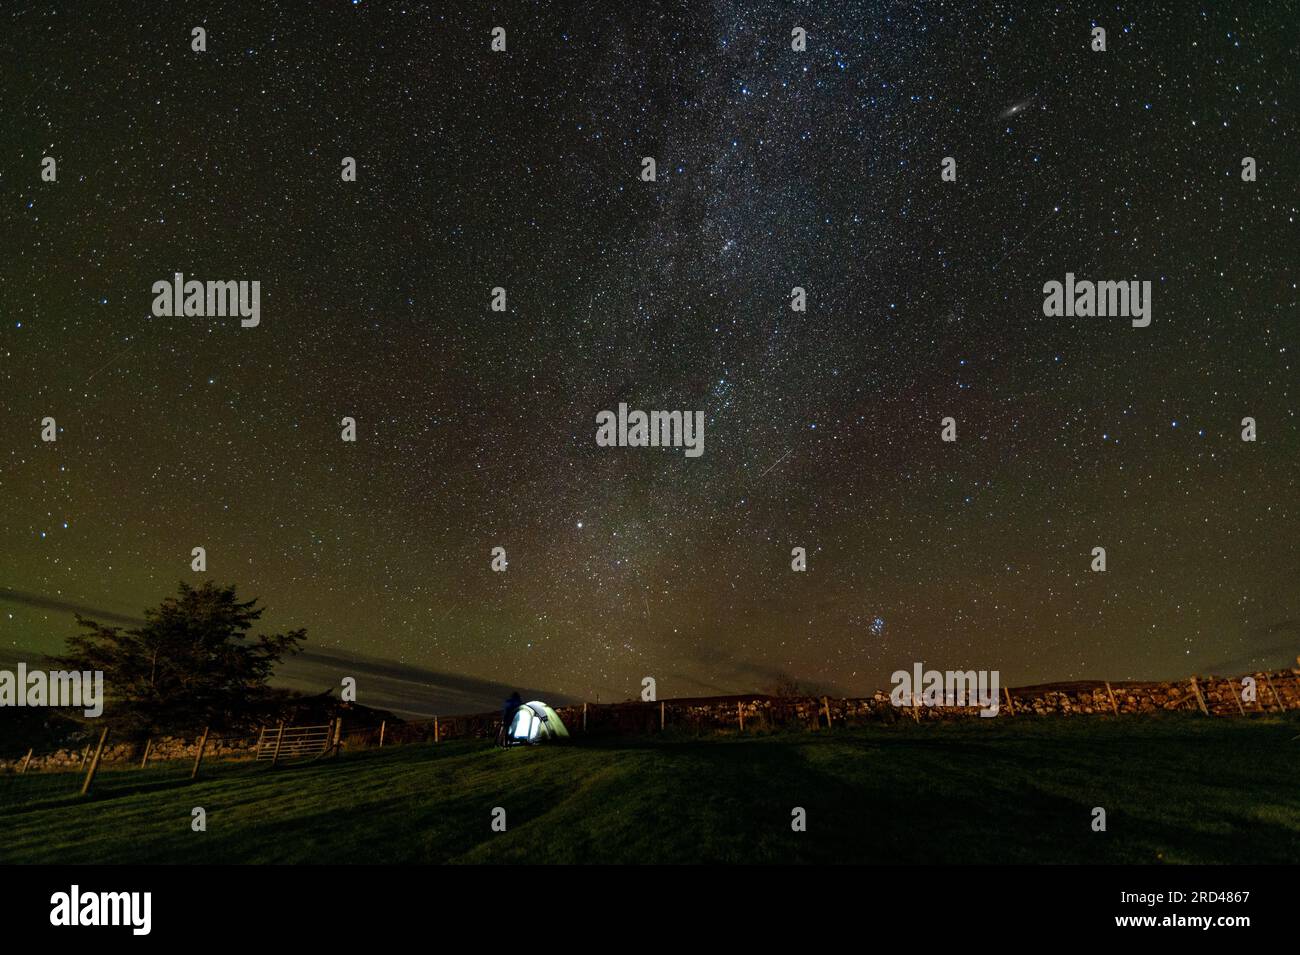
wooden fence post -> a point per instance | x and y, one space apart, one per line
94 763
826 703
337 743
383 725
1236 697
436 733
584 717
661 716
740 715
1011 707
1111 693
279 738
26 759
148 743
198 757
1277 699
1199 699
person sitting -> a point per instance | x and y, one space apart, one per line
508 711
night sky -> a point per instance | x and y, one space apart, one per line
776 169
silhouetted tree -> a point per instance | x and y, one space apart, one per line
192 664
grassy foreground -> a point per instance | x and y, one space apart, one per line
1178 789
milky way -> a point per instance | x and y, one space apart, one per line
776 169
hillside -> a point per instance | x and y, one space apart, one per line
1177 788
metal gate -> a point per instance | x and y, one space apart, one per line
294 742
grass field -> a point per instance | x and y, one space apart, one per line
1176 789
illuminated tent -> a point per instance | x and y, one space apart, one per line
533 723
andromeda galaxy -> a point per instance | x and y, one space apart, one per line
1015 109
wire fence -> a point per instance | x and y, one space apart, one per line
95 763
99 765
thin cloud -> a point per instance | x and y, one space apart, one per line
38 602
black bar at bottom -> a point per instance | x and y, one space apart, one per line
903 904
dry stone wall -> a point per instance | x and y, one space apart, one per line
1275 691
160 750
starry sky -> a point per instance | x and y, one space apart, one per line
776 169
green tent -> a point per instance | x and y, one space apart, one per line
535 722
